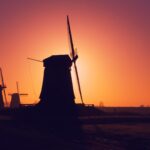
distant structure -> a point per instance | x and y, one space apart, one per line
101 104
15 98
2 90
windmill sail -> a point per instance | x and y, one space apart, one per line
74 58
17 84
18 91
3 86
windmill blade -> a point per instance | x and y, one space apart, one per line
34 59
2 79
17 84
70 38
5 97
23 94
74 58
78 82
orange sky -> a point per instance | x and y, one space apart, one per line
112 38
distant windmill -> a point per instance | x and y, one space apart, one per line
15 98
3 102
74 57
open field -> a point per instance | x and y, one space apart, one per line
118 136
97 135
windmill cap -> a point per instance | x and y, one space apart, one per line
58 61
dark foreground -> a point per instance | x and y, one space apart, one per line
99 135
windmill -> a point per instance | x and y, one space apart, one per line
3 101
15 97
74 57
57 94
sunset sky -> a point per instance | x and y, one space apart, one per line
112 38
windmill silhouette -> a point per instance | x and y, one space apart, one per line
15 98
3 101
55 60
57 89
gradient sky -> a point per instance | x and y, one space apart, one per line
112 38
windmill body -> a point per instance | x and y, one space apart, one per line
57 96
15 98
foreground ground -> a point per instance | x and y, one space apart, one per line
118 136
96 136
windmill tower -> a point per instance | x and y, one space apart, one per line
57 95
15 98
3 101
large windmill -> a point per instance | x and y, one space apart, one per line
57 94
74 57
3 101
15 97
